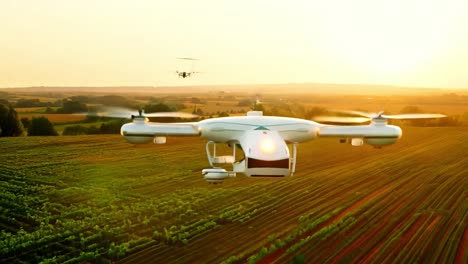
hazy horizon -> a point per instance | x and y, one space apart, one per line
124 43
246 85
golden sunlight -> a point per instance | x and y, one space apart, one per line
388 39
113 42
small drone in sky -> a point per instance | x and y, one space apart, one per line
185 74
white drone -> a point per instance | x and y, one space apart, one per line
268 143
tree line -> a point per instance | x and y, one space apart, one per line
12 126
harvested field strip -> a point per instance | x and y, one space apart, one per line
55 118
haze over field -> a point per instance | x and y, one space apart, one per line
119 43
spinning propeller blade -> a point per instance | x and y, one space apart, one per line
187 59
413 116
114 111
122 112
365 117
341 119
171 114
353 112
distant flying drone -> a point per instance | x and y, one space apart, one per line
185 74
268 143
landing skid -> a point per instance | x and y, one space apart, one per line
215 175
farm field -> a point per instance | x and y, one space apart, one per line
99 199
55 118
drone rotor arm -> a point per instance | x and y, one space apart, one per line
162 129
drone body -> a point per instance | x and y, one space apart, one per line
186 73
268 143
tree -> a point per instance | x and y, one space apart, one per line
10 125
112 127
315 111
41 126
49 110
31 103
93 130
446 121
70 106
464 119
4 95
26 122
411 109
258 106
114 100
80 98
244 102
196 100
154 108
75 130
198 111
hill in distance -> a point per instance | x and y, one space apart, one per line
293 88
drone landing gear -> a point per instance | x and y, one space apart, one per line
293 159
217 175
214 174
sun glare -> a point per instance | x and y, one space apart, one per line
108 42
385 38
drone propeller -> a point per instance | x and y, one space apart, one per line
186 58
413 116
365 117
127 113
341 119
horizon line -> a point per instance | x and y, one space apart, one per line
240 84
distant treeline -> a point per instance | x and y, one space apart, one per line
10 125
81 104
106 100
111 127
299 111
35 103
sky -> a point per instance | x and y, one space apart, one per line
420 43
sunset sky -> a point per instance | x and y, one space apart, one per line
137 42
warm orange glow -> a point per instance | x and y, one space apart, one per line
267 145
393 39
108 42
